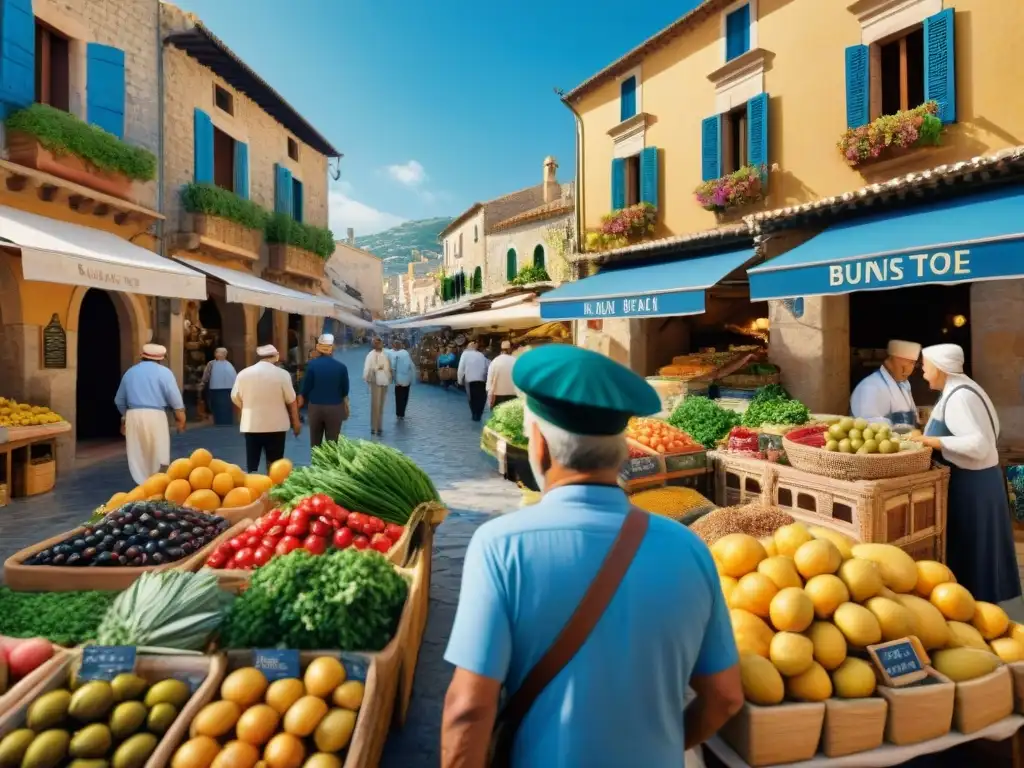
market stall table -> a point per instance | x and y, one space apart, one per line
19 438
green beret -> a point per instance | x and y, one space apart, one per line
582 391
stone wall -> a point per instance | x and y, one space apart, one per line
997 351
525 238
464 248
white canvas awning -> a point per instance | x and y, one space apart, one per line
54 251
246 288
516 317
347 318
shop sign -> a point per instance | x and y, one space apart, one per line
639 305
881 272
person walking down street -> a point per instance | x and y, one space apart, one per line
265 394
218 379
403 370
500 388
446 366
325 393
473 375
553 592
377 374
146 391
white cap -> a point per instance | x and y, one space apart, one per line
506 345
267 350
154 352
908 350
327 339
948 358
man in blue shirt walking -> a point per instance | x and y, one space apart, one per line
325 390
659 624
402 369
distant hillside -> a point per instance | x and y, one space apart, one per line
395 245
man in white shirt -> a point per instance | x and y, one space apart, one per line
377 374
473 374
884 396
500 388
265 394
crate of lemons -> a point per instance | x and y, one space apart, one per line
805 600
15 414
204 482
287 723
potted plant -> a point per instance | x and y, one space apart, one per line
892 135
622 227
742 187
531 273
296 248
56 142
221 215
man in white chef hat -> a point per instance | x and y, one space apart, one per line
885 396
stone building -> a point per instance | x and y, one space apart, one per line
363 271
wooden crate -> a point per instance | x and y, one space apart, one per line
419 608
908 512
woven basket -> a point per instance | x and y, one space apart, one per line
857 466
983 701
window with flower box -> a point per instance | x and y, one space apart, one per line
635 179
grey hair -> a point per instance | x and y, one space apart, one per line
221 352
580 453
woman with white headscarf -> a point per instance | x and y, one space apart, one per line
963 430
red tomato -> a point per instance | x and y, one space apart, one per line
273 516
269 541
341 515
343 538
381 543
226 549
253 540
317 504
360 542
243 558
287 544
393 532
252 529
315 544
319 528
377 523
262 555
297 529
236 543
277 531
216 560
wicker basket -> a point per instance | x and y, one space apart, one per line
919 713
855 466
983 701
786 733
853 725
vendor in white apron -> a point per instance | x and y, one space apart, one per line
884 396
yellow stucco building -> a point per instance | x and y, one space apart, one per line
821 137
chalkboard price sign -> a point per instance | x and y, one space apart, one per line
898 661
55 344
105 662
640 467
277 663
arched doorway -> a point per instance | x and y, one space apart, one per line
99 367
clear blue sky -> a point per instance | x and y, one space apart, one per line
435 105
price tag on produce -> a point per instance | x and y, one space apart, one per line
898 661
105 662
502 451
277 663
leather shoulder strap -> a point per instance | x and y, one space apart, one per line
582 622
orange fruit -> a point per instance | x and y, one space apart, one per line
222 484
201 457
156 484
236 474
155 497
177 491
237 497
116 500
217 466
284 751
179 469
280 470
258 484
203 499
200 478
135 494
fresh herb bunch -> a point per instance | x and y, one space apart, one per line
343 600
771 392
64 618
507 420
776 412
703 420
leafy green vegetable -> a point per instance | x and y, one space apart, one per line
64 618
507 420
771 392
344 600
703 420
776 412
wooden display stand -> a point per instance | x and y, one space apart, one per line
908 512
23 478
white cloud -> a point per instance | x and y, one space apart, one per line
410 174
347 212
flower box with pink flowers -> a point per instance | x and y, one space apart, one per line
622 227
743 187
891 135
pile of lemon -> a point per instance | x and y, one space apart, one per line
15 414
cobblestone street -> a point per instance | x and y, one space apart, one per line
437 433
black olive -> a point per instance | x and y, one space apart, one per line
154 533
106 558
118 547
163 527
185 536
145 517
136 539
89 553
143 559
172 516
135 562
78 543
133 551
122 560
128 530
59 559
188 547
158 558
174 536
152 547
198 531
74 559
115 532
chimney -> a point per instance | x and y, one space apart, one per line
552 189
351 236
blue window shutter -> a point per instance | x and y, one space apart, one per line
297 202
711 148
104 88
737 33
649 176
282 189
858 86
203 147
627 98
242 169
17 54
757 130
618 184
940 64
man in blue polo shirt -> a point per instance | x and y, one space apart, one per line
325 388
619 701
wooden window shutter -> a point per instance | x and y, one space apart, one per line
242 169
511 269
858 86
627 98
618 184
282 189
649 176
711 148
104 94
757 130
737 33
940 64
298 203
17 55
203 148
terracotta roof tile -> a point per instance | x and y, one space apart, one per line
541 212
